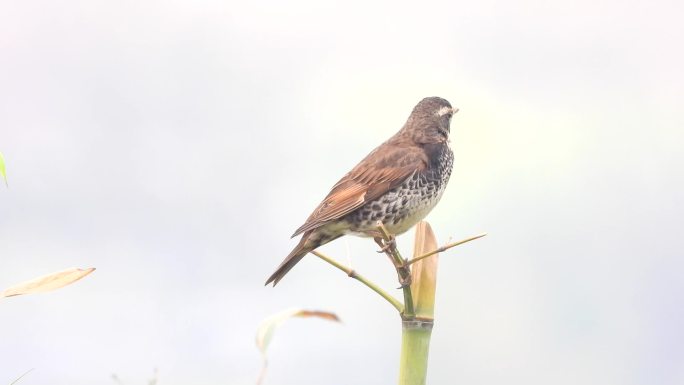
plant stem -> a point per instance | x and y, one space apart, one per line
415 346
416 332
22 376
403 270
353 274
444 248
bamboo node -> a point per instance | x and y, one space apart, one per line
417 323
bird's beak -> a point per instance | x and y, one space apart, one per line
454 110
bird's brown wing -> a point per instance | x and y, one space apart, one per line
382 170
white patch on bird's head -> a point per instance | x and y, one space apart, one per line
446 110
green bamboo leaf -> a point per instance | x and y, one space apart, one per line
2 169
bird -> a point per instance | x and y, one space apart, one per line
397 184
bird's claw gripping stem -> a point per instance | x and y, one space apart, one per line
386 246
404 276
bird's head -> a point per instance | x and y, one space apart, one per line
430 121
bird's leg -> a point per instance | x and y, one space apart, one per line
392 243
385 249
380 240
403 271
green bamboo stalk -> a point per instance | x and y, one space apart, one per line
417 311
415 346
416 332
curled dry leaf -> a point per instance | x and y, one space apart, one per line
268 326
47 282
424 271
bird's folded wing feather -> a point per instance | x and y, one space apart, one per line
382 170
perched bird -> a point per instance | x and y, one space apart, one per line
398 184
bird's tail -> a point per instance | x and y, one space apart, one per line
310 241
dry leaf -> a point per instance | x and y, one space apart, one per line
270 324
319 314
424 272
47 282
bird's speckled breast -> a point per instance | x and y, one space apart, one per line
401 208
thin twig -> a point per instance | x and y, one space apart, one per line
262 372
353 274
403 270
444 248
22 376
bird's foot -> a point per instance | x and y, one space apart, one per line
403 270
404 273
385 246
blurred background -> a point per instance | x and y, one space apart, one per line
176 145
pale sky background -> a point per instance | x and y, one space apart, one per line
176 145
